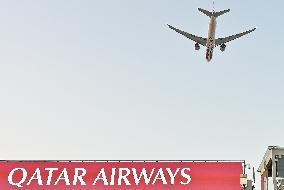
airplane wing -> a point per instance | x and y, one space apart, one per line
220 41
197 39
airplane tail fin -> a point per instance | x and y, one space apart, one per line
215 14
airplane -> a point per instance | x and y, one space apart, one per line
211 42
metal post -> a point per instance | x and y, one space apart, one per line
274 171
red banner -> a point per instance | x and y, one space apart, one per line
120 175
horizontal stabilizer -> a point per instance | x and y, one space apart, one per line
215 14
208 13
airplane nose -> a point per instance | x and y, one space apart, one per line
209 54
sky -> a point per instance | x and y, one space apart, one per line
106 79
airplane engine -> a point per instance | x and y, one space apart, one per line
197 46
223 47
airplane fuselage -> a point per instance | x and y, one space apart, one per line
211 38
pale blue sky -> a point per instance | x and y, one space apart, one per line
106 79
